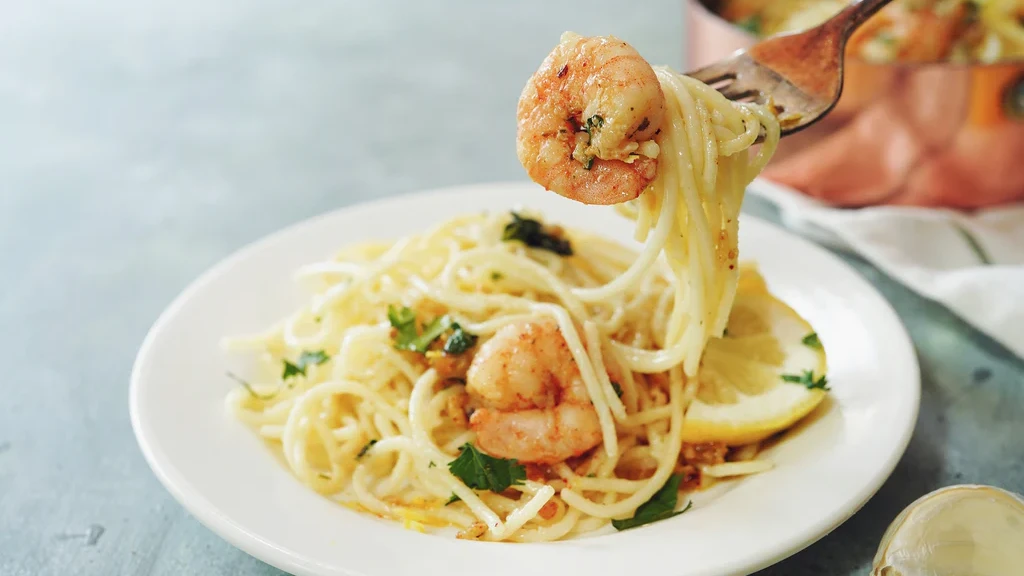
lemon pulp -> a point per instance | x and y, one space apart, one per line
742 396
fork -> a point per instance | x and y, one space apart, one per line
800 75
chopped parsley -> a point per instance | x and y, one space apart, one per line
455 498
365 449
807 379
482 472
592 124
431 465
531 232
887 38
617 388
751 24
306 359
407 337
496 276
248 388
589 163
661 506
403 320
811 341
459 341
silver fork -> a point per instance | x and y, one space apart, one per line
800 74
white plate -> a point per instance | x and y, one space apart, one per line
227 479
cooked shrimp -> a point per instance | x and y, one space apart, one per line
587 121
532 402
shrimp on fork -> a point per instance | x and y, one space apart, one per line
532 402
587 121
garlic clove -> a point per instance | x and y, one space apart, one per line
956 531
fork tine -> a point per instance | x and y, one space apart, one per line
714 73
734 91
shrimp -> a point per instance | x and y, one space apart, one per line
532 403
587 121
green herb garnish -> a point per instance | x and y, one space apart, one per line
431 465
751 24
617 388
531 232
403 320
248 388
482 472
455 498
661 506
593 123
365 449
408 338
459 341
886 38
812 341
306 359
496 276
807 379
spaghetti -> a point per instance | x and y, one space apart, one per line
384 430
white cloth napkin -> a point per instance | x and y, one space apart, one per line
971 263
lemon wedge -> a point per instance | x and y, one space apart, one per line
763 376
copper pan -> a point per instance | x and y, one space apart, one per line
915 134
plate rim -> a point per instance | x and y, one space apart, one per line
211 517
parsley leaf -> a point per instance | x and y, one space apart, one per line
496 275
455 498
482 472
593 123
459 341
431 332
313 358
531 232
404 322
408 338
365 449
811 341
306 359
291 370
248 388
807 379
617 388
431 465
406 335
751 24
661 506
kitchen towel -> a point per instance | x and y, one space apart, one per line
973 263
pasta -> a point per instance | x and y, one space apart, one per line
363 388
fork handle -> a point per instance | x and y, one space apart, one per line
851 17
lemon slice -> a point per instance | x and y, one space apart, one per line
742 397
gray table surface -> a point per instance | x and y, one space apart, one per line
140 142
